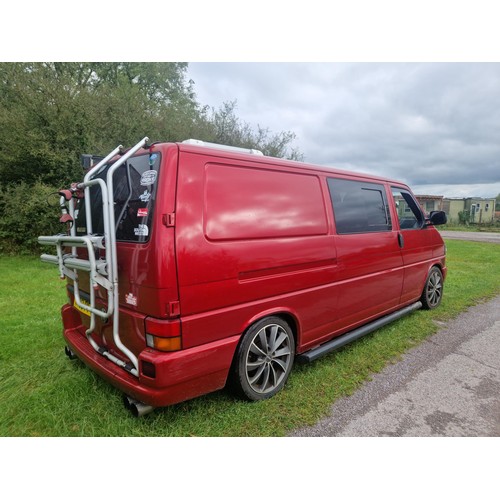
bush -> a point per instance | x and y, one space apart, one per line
25 214
464 217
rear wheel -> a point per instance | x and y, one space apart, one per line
264 359
433 289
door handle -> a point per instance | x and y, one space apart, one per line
401 240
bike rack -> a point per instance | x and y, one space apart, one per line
103 271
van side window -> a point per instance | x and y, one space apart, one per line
359 207
409 214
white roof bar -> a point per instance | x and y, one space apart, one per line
196 142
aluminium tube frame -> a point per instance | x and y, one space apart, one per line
90 241
113 272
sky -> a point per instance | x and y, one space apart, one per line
435 126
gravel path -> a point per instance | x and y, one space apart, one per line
447 386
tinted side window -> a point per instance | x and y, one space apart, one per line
359 207
409 214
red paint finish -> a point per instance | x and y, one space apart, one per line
235 238
258 206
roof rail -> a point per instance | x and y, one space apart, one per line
196 142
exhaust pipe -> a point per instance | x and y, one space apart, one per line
69 352
137 408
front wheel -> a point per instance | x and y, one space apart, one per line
433 289
264 359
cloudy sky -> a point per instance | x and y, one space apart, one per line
435 126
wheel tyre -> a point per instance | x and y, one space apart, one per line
264 359
433 289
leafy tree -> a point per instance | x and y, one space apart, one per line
52 112
27 211
227 128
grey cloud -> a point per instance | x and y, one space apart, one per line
427 124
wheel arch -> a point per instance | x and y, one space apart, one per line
243 386
287 315
423 299
437 264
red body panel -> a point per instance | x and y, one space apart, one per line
236 238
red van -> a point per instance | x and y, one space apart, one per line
191 265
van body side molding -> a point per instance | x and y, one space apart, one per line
349 337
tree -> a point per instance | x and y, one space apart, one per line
227 128
50 113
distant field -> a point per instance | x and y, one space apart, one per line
42 393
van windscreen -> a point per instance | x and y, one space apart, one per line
134 186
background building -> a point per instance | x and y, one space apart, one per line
477 210
429 202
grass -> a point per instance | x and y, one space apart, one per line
42 393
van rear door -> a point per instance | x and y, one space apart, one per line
144 191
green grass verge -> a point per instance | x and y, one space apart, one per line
42 393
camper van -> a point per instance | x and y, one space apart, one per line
191 266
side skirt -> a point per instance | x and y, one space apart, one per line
349 337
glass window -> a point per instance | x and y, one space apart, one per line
134 193
409 214
359 207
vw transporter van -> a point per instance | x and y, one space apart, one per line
193 265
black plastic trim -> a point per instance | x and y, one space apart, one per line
353 335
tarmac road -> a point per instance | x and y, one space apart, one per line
447 386
471 236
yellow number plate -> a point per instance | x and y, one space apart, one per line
81 309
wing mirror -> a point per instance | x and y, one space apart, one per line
437 218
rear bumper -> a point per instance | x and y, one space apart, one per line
179 375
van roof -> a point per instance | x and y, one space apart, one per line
256 156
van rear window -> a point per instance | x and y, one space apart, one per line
135 185
249 203
359 207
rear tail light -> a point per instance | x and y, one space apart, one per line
163 344
163 335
